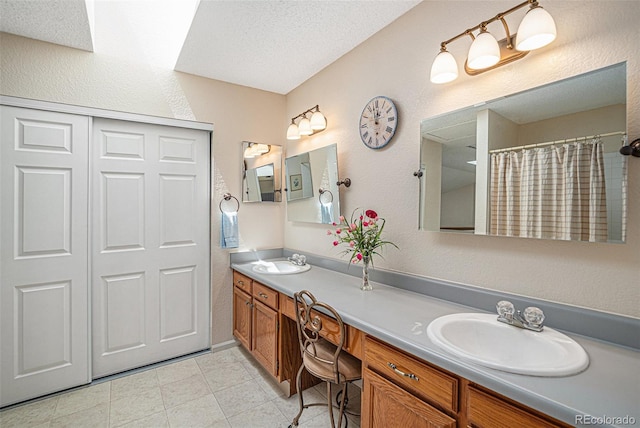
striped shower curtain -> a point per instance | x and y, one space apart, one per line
555 192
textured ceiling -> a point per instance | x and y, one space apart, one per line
273 45
277 45
63 22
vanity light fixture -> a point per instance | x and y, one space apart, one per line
307 125
536 30
256 149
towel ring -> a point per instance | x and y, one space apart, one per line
322 192
227 197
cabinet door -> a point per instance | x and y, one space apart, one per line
43 253
150 258
386 405
242 317
265 337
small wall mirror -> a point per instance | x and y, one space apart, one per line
311 186
261 172
508 167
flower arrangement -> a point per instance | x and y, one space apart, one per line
363 236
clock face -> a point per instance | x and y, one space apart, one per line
378 122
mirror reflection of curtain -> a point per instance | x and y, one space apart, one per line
555 192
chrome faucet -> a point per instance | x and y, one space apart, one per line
298 259
531 318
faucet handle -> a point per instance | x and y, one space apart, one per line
505 308
533 316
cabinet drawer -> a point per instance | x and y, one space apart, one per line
484 411
330 329
287 306
242 282
353 337
265 295
413 375
384 404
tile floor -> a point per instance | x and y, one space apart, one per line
222 389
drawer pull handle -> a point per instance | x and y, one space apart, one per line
240 282
401 373
264 296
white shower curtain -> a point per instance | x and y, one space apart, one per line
555 192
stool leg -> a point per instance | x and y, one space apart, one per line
300 398
330 404
342 404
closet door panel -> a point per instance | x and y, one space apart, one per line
151 201
178 202
122 220
43 253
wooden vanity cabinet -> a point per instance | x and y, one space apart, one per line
403 391
255 320
386 405
400 390
242 310
265 327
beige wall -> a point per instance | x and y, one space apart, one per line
395 62
32 69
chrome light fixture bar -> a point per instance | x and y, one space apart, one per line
536 30
306 126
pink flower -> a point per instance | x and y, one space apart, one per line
335 243
371 214
365 224
359 256
341 218
353 227
352 244
361 217
354 261
334 224
329 232
338 231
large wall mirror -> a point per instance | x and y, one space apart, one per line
311 186
261 172
543 163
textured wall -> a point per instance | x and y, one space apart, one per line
43 71
395 62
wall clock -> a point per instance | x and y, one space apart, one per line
378 122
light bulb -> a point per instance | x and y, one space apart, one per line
249 153
261 148
444 68
304 127
292 132
536 30
318 121
484 52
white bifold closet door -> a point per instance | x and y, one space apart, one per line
44 288
150 240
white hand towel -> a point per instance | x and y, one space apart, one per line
229 230
326 211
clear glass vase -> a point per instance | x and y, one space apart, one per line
365 275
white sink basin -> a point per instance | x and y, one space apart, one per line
279 267
481 339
